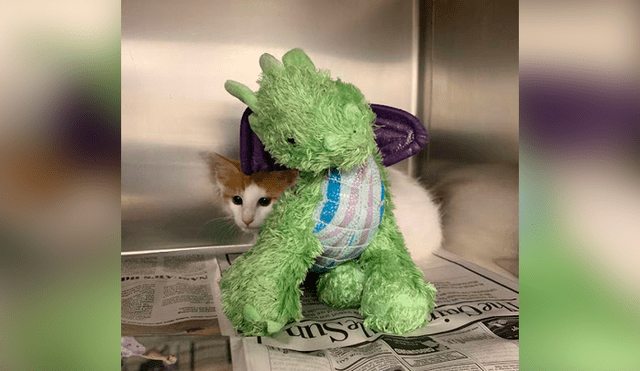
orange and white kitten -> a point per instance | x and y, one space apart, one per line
249 199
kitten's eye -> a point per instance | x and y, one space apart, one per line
237 200
264 201
291 140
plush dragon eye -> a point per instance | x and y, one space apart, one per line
291 140
237 200
264 201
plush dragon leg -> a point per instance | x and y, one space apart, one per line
342 286
396 298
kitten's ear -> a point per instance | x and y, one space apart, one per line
289 177
220 167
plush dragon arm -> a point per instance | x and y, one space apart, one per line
260 291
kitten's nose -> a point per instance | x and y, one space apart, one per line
247 221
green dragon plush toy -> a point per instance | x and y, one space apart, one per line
337 220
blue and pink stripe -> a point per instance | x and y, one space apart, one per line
350 212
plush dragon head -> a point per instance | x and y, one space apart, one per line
306 120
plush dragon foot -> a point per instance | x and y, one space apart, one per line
397 303
342 286
259 301
258 315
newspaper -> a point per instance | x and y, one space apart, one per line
474 326
168 293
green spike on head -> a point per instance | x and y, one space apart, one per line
269 64
243 93
298 58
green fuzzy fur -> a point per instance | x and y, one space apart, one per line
331 124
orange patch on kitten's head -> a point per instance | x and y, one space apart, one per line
275 182
228 173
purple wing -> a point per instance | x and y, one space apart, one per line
399 135
253 156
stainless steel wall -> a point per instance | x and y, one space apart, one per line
468 93
176 56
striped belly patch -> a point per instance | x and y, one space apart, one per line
349 213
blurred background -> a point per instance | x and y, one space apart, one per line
59 184
579 176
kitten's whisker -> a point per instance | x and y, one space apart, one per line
216 219
230 229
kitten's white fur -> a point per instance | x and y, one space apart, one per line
250 216
417 215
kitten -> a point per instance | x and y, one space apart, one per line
250 199
247 199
